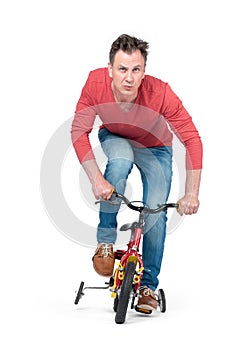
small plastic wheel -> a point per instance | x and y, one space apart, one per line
80 293
161 300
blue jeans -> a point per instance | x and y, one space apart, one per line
155 166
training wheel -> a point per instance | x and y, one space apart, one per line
161 300
80 293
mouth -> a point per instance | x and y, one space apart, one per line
128 87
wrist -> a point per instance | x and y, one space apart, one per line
191 193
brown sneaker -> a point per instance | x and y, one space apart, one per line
103 259
147 301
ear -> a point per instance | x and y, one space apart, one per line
110 69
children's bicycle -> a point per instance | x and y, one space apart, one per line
125 282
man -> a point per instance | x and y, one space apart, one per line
135 110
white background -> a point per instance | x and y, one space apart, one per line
47 49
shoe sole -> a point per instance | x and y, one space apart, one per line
104 274
144 309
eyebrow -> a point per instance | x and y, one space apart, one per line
136 66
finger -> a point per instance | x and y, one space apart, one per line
190 210
110 194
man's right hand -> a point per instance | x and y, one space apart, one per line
102 189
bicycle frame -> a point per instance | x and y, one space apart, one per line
131 254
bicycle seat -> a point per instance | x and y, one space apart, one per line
129 226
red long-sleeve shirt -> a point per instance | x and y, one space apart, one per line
144 125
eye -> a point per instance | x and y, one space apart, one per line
136 69
123 69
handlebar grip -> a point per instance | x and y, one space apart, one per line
178 206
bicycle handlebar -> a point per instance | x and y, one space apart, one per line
141 208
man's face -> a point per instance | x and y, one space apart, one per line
127 73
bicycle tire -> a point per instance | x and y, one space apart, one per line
125 293
80 293
116 302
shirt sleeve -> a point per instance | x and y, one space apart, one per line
82 124
182 125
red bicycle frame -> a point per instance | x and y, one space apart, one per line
131 254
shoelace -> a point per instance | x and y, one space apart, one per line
148 292
106 250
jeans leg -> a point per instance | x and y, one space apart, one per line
155 166
119 165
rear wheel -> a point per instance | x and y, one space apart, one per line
125 292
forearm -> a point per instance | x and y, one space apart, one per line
193 179
92 170
101 187
189 203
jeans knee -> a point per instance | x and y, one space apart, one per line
117 172
121 167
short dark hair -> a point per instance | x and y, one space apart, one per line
128 44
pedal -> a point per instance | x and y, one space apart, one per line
143 311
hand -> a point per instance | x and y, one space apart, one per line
102 189
188 204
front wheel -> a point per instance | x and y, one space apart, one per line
116 302
125 293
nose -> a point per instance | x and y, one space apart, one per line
129 77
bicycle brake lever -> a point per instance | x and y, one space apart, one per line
109 201
163 207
